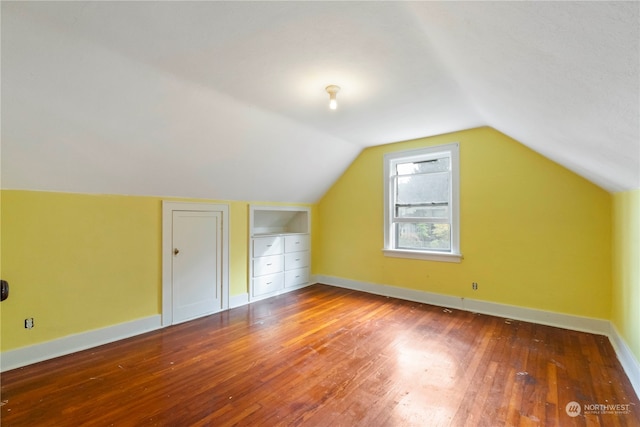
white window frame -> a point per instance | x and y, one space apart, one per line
451 150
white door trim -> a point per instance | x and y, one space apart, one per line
167 218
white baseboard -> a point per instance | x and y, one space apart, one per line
24 356
629 363
567 321
239 300
627 359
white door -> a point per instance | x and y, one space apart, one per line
196 264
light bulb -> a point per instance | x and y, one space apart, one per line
332 90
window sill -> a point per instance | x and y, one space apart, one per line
429 256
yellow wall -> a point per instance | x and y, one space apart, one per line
76 263
626 268
533 234
79 262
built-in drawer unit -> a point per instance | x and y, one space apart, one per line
296 242
265 285
267 265
295 260
296 277
263 246
279 254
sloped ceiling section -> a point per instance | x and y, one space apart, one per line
226 100
560 77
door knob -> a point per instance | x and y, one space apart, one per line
176 251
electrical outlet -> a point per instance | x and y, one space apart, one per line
474 286
28 323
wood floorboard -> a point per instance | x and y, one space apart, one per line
325 356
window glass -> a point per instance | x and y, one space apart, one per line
433 211
424 166
430 188
422 235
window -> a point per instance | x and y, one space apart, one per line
422 204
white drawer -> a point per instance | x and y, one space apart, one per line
267 265
296 277
263 246
295 260
267 284
296 243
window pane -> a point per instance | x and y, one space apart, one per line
421 202
415 189
423 236
417 211
425 166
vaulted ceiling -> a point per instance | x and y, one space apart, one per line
226 100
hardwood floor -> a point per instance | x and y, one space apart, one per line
324 356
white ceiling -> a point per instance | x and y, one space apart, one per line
226 100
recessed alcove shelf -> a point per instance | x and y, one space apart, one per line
273 220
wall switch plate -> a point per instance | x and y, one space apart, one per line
28 323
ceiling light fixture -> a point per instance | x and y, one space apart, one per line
332 90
